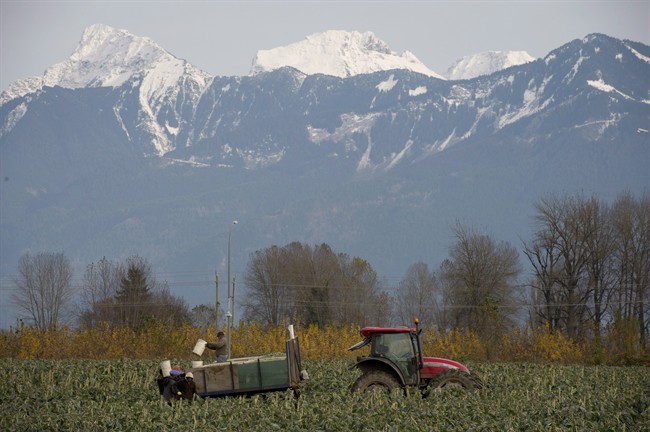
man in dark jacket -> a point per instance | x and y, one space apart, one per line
220 347
187 387
168 386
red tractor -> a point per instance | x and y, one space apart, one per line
396 361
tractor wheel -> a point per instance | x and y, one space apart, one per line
454 378
376 380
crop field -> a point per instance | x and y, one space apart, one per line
111 395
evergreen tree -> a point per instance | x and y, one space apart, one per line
133 294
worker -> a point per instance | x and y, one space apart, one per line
220 347
161 380
187 387
168 385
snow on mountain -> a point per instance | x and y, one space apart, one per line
109 57
21 88
486 63
339 53
104 57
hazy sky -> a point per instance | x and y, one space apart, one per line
222 37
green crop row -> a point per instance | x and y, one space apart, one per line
110 395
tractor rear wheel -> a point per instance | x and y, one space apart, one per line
375 380
454 378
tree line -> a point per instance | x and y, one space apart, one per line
122 294
591 264
589 267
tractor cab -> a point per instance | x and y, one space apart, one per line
393 350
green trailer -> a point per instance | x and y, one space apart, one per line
249 375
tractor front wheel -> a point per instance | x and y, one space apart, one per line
454 378
376 380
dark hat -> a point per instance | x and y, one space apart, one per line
220 334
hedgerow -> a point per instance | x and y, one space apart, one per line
156 340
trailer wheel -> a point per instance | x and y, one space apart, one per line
454 378
376 380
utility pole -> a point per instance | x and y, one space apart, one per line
234 279
216 284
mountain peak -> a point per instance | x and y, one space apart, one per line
486 63
339 53
105 57
109 57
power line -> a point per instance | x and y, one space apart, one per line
354 302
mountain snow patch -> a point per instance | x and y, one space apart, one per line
351 124
386 86
418 91
602 86
14 117
638 54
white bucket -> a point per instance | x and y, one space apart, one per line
199 347
197 363
166 367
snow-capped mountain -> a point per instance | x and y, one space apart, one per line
338 53
378 165
486 63
109 57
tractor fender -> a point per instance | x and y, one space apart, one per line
366 364
432 366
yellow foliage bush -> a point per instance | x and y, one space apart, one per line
556 347
454 344
541 345
622 343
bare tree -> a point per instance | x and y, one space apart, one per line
358 294
546 299
624 221
312 285
43 288
591 263
319 282
99 287
416 296
571 254
205 315
631 219
479 282
270 293
168 308
601 277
